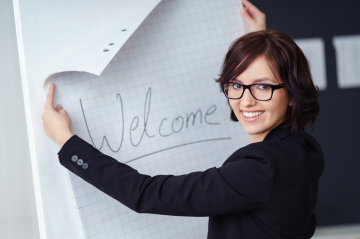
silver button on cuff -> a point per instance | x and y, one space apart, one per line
80 162
85 166
74 158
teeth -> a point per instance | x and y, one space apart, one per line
252 114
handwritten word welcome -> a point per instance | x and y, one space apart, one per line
177 124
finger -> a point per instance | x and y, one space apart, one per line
58 108
242 1
246 16
253 11
50 96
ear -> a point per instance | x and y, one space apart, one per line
291 102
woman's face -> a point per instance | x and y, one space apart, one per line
272 111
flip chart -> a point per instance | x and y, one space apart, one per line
137 80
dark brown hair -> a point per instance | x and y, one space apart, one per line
287 61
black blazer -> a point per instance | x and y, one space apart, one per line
264 190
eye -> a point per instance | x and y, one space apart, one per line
237 86
264 87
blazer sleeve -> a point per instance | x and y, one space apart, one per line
242 185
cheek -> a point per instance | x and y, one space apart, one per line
233 105
278 105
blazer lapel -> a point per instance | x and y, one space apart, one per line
277 133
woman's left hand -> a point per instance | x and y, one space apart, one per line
254 18
56 122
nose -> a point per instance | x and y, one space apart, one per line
247 99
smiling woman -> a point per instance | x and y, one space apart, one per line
281 89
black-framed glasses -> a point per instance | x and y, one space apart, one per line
262 92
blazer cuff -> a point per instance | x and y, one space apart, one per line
71 147
74 152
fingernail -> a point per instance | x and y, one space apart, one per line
59 106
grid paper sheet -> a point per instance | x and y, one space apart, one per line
155 107
55 36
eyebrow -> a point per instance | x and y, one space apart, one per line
259 80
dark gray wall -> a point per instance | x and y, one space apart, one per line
337 129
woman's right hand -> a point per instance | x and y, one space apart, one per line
254 18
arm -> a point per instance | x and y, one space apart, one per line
239 186
254 18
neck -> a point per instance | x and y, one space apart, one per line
254 138
257 137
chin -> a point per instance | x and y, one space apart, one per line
251 129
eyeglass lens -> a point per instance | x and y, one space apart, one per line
259 91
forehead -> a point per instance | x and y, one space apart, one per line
257 72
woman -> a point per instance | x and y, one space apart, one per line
267 189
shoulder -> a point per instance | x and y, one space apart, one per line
283 140
282 146
295 152
295 144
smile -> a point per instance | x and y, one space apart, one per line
251 116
